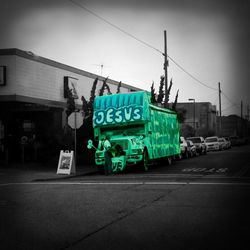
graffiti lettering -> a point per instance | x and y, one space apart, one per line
116 166
113 115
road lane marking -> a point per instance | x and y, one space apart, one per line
160 176
206 170
129 183
243 171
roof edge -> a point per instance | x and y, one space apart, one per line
31 56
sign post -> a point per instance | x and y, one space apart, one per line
75 121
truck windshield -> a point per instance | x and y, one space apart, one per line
124 130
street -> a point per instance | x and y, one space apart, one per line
197 203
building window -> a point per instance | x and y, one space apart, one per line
28 126
2 75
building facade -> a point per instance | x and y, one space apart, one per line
234 125
33 103
198 118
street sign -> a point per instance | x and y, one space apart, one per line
75 120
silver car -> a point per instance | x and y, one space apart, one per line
199 143
212 143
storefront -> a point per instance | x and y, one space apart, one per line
33 121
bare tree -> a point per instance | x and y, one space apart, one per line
119 87
104 86
175 101
161 92
153 94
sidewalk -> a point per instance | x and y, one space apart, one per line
31 172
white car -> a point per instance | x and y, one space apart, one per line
212 143
228 142
191 149
199 143
184 147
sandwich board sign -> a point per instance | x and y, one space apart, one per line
66 164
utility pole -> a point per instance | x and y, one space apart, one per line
248 112
241 109
192 99
248 124
219 108
166 68
241 117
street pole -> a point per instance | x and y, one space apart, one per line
219 108
241 117
75 137
194 120
248 127
248 112
192 99
165 68
241 109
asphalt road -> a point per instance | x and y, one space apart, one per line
198 203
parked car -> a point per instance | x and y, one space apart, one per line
229 144
237 141
212 143
199 143
222 143
184 147
234 140
191 149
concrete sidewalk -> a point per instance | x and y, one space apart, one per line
28 172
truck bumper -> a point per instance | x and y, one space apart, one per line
119 163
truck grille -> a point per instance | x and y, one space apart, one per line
123 143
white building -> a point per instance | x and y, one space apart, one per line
32 102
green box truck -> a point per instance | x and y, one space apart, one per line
139 131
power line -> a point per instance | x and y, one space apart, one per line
115 26
235 104
215 101
193 77
141 41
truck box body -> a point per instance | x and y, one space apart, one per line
137 126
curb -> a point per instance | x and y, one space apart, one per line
72 176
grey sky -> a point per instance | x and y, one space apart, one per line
209 39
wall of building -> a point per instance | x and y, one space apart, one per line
33 122
234 125
205 118
44 79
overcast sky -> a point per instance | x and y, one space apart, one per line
208 38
